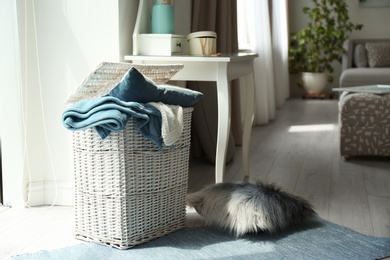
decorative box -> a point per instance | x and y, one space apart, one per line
158 44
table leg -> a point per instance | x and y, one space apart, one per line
249 114
223 96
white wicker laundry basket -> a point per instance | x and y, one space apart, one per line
128 192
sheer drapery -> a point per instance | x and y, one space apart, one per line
219 16
280 45
265 32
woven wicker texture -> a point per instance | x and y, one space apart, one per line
108 74
127 191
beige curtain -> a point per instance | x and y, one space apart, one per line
219 16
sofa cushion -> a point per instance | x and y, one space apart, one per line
360 56
378 54
365 76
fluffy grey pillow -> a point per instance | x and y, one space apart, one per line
360 56
378 54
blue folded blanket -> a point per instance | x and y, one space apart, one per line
107 114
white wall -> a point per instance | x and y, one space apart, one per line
70 39
375 20
10 112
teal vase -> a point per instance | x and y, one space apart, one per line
163 20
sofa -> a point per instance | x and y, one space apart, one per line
365 63
364 118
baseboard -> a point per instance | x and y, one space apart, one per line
50 193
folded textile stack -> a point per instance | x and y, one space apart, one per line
107 114
157 109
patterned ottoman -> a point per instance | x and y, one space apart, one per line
364 121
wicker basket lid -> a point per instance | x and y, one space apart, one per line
108 74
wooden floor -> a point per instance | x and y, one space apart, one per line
299 151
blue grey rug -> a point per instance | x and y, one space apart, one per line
320 240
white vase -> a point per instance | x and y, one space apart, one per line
314 82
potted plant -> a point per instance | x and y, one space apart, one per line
314 48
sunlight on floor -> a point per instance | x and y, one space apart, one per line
311 128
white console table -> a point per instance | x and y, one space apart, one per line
221 69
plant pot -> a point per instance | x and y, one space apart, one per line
313 82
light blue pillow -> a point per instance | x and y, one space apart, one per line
137 88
